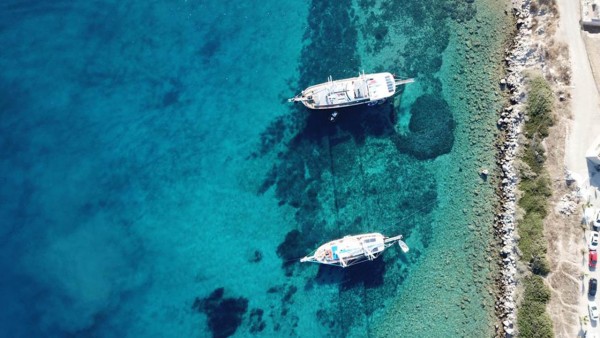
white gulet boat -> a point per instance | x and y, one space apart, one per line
352 250
364 89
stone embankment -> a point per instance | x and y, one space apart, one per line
521 54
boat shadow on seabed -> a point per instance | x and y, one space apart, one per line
357 122
368 275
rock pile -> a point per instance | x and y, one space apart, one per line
522 54
568 203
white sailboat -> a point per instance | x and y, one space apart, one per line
363 89
352 250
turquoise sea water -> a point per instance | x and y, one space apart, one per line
155 183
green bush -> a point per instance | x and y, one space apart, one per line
531 242
540 103
534 322
540 265
536 190
531 228
534 155
535 195
536 290
532 319
538 186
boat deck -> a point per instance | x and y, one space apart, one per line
352 250
348 92
338 93
349 248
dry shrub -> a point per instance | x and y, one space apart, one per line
564 73
534 7
563 49
558 56
550 4
551 51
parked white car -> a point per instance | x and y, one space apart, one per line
593 245
596 220
593 307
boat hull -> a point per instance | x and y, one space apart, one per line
351 250
363 89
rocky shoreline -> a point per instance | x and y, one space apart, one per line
519 55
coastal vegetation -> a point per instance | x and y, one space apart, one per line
540 103
532 319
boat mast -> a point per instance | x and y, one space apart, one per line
344 264
390 240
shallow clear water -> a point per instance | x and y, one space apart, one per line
156 183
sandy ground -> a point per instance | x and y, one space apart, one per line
592 45
577 126
566 239
585 100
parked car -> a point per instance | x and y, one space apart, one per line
592 286
593 259
593 244
593 307
596 221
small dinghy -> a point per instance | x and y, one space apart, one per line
352 250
